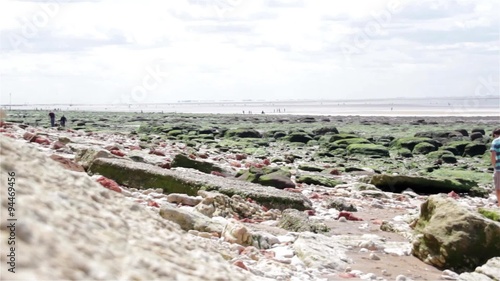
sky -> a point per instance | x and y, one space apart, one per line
152 51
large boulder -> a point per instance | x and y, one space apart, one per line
452 237
424 185
93 233
144 176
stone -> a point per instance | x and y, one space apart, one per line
453 237
67 163
182 160
237 233
300 137
425 185
144 176
324 130
243 133
184 199
368 149
294 220
318 180
88 155
188 220
340 204
319 251
487 272
474 149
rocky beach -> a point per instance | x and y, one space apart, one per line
173 196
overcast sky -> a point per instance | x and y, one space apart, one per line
134 51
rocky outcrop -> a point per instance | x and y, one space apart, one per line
143 176
92 233
451 236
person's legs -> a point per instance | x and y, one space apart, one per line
497 186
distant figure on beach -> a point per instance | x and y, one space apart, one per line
52 119
263 112
243 111
495 161
62 121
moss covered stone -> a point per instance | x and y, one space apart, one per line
318 180
454 237
423 148
144 176
423 185
490 214
368 149
411 142
299 137
181 160
349 141
342 136
243 133
310 168
474 149
404 152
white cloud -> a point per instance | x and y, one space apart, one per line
96 51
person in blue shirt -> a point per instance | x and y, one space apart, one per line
495 161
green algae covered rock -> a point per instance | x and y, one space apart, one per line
318 180
424 185
452 237
424 148
368 149
181 160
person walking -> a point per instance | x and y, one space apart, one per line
62 121
495 161
52 119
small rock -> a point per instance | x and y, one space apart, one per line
374 257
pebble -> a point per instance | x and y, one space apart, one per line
374 257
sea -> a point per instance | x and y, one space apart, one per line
458 106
